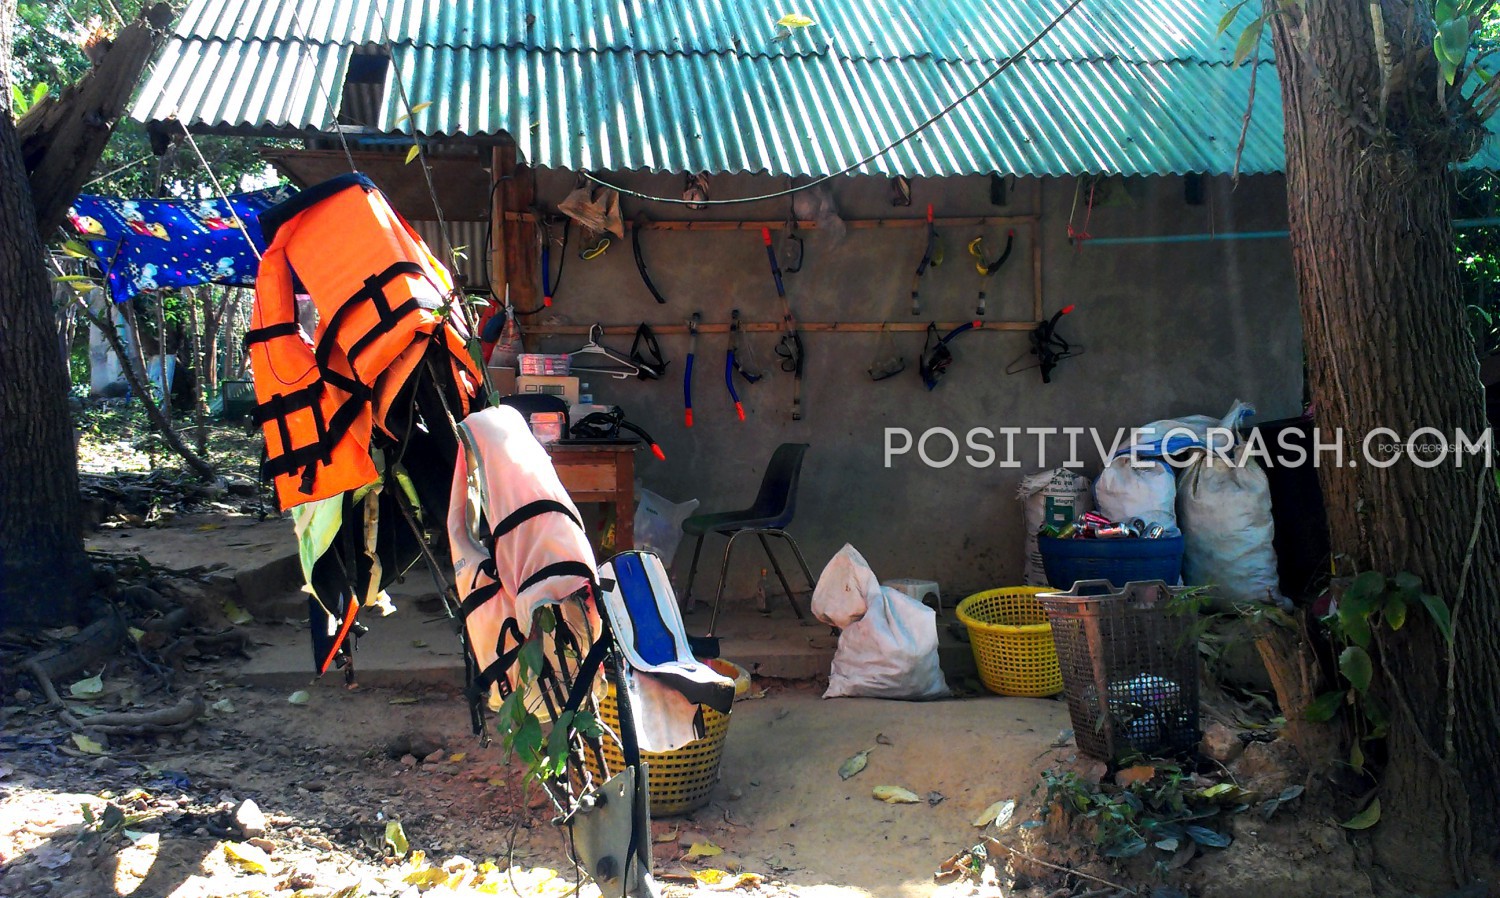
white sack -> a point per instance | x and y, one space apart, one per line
1144 488
1192 432
658 523
888 644
1054 497
1224 506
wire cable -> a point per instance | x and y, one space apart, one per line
322 88
985 82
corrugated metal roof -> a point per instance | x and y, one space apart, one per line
1122 86
812 115
262 84
954 30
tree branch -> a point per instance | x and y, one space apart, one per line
63 136
199 465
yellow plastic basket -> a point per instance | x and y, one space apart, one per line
1012 641
680 780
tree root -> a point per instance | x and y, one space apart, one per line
93 644
142 723
120 723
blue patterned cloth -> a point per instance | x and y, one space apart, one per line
146 244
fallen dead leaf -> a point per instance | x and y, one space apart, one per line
247 857
998 813
703 849
895 795
87 745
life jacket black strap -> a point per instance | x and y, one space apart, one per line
373 292
328 431
557 569
271 332
477 597
506 654
532 510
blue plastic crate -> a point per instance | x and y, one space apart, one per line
1117 560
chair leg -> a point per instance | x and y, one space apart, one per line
723 575
687 593
811 583
785 586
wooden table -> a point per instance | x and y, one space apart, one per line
604 473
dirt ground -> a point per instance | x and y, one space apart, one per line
163 815
329 774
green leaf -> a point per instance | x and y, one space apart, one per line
1440 615
17 98
1229 17
412 153
1324 707
395 837
1453 40
39 93
1356 628
531 658
76 250
1443 10
1130 847
1356 667
1364 591
1356 757
1395 611
1408 584
557 740
1207 837
527 741
1364 819
586 723
1249 39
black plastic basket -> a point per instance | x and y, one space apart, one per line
1129 668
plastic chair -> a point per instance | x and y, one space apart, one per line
769 516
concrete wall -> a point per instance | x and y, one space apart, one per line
1169 329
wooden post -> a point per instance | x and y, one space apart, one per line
514 237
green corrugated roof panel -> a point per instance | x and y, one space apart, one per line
952 30
1122 86
258 84
811 115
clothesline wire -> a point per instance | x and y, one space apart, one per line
239 222
411 120
930 120
112 172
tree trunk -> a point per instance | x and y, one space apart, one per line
43 570
1388 347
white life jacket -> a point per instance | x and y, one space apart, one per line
518 544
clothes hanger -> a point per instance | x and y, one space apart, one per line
623 368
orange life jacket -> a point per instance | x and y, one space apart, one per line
378 292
